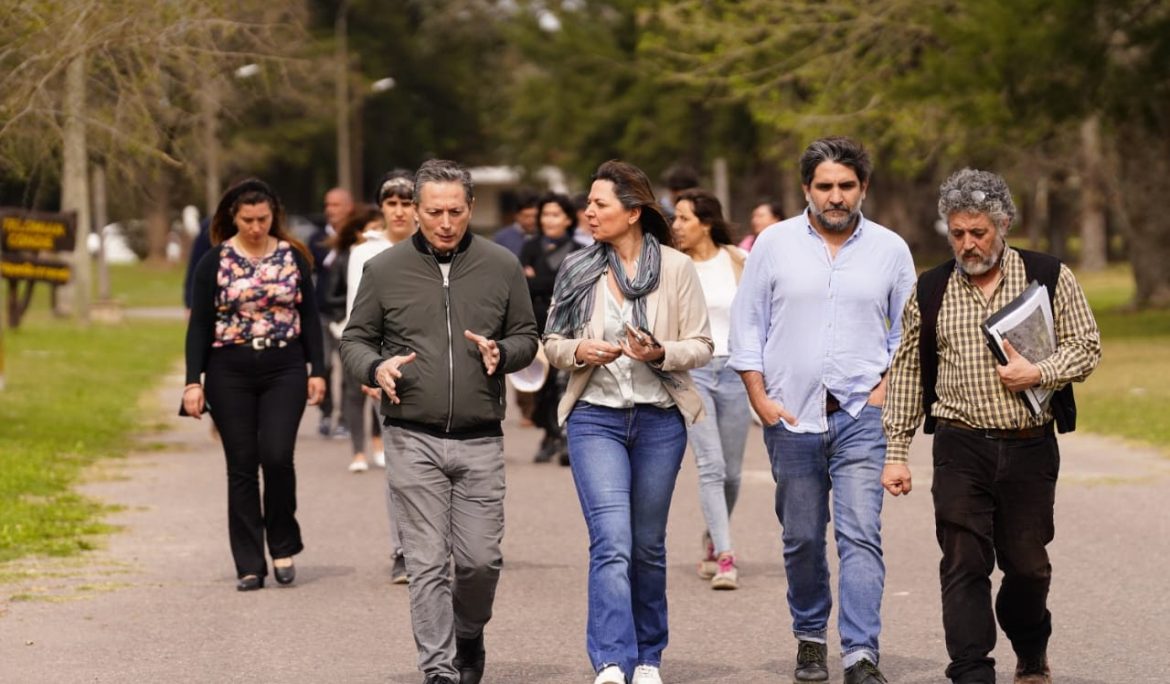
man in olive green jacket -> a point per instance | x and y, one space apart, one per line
437 323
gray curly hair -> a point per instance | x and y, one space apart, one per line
977 192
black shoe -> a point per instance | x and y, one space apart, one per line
325 427
250 583
1033 670
398 570
285 575
469 659
548 447
810 662
438 679
864 672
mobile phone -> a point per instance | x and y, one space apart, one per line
642 335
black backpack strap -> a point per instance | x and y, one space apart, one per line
1045 269
932 285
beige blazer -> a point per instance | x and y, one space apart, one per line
677 314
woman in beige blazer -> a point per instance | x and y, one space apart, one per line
628 320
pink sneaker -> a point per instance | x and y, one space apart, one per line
726 576
708 566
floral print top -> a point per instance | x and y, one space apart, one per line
257 297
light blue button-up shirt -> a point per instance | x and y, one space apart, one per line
811 323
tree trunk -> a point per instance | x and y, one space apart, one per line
1038 220
1093 242
344 163
1143 185
75 189
158 222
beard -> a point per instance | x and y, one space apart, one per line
836 225
976 263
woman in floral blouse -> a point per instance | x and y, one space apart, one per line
252 332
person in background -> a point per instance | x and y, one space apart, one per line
542 258
995 462
678 177
523 227
764 214
813 327
363 218
253 330
437 323
395 198
717 441
627 321
338 207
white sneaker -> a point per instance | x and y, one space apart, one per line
380 458
610 675
358 466
646 674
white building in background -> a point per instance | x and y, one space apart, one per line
492 181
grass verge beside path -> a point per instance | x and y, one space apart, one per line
1129 392
72 398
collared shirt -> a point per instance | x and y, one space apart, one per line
623 382
969 389
812 323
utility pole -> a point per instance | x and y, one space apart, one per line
344 163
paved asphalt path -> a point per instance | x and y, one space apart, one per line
158 603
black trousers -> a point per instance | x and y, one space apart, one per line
544 414
257 399
993 501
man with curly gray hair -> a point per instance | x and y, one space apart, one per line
995 462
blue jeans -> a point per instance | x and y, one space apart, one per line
718 442
848 460
625 462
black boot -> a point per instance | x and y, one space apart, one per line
469 659
548 447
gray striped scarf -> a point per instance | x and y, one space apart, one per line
572 302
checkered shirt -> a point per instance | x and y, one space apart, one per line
969 389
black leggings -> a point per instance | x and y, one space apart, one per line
257 399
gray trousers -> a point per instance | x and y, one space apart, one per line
448 497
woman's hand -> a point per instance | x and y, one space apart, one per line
193 401
596 352
641 347
316 391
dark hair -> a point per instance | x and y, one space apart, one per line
563 202
397 183
351 230
709 211
248 192
527 199
581 201
839 149
774 206
632 188
681 177
443 171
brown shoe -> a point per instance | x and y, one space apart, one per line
1033 670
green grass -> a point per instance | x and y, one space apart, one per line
72 398
132 285
1128 394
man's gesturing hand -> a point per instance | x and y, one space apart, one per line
1019 374
389 372
487 349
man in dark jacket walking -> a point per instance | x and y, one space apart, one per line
438 321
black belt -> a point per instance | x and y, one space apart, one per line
993 433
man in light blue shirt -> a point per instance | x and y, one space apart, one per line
813 327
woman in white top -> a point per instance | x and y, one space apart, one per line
395 200
718 441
